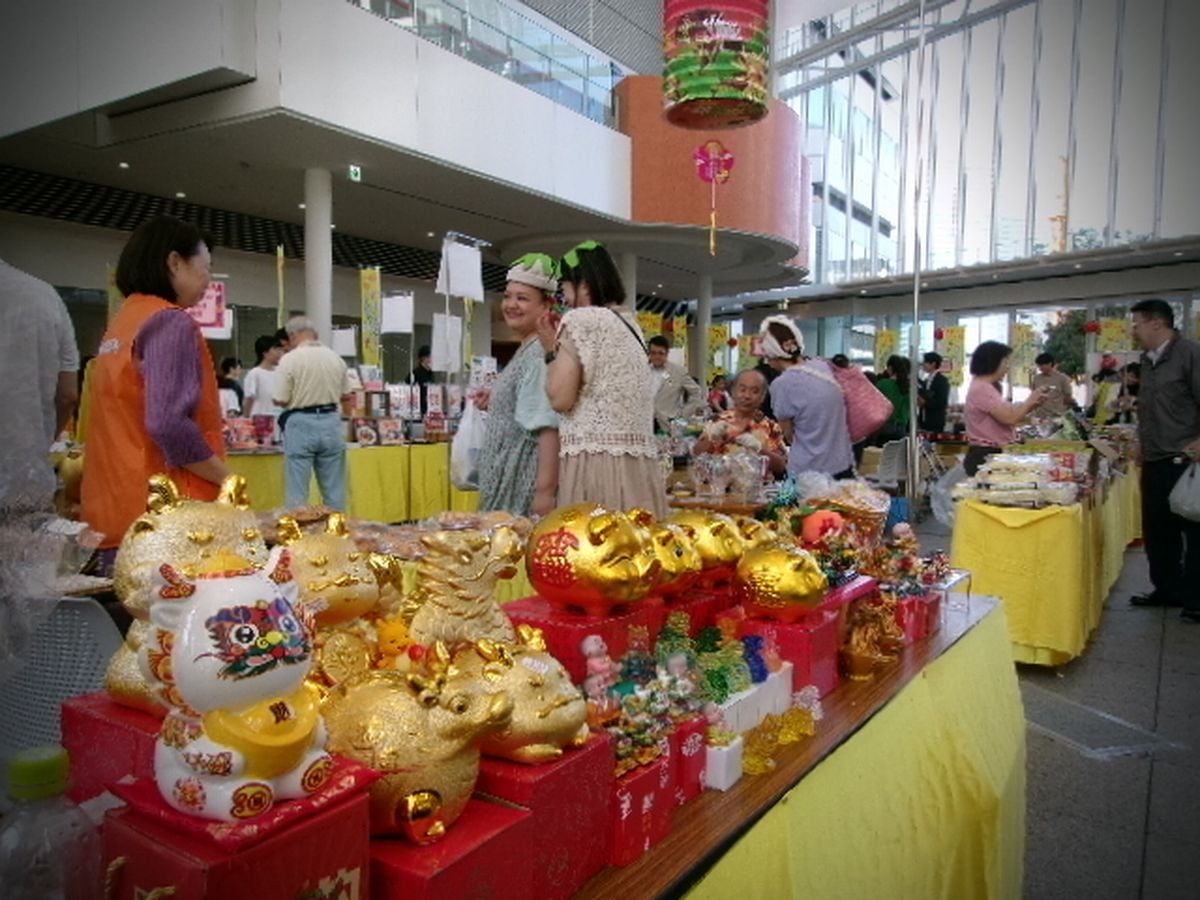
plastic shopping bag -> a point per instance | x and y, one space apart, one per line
1185 496
465 448
941 496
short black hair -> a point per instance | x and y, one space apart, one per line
987 357
596 269
933 359
1044 359
1134 368
841 360
142 268
424 350
659 341
1154 308
264 343
229 363
281 335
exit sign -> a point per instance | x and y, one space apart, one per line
355 173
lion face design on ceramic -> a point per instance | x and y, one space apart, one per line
256 638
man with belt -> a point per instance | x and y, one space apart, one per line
1169 431
311 381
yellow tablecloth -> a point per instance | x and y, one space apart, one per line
384 484
1052 567
925 800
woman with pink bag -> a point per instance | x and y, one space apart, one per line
808 404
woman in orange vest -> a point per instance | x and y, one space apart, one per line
154 405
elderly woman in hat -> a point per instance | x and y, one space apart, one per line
808 404
518 464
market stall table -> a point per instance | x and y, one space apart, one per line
1052 567
914 786
730 504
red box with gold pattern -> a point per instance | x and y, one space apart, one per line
565 631
322 855
912 618
641 810
933 612
485 853
810 644
569 800
688 743
106 742
702 605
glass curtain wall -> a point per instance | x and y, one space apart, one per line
1050 126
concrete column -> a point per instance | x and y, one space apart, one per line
698 341
318 250
627 264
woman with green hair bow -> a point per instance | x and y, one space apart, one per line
598 380
518 463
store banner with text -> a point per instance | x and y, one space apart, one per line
886 342
1024 353
951 348
371 296
212 314
1114 336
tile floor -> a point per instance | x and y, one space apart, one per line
1123 826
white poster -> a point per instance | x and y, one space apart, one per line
212 313
345 341
446 347
461 272
397 315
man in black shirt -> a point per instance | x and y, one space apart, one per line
933 395
423 374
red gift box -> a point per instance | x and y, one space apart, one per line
688 743
933 612
702 605
809 644
910 616
641 810
125 738
323 855
484 854
569 801
564 631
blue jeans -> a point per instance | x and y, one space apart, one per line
315 440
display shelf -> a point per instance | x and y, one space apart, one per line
707 827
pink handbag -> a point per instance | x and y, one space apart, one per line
867 408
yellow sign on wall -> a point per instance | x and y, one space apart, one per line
886 341
650 323
368 288
1114 336
1024 353
951 348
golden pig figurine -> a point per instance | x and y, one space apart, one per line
549 712
338 581
456 586
780 582
423 734
185 533
674 547
591 558
718 540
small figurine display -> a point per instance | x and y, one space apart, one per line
599 664
395 648
549 713
780 582
753 655
230 652
638 666
585 557
718 539
874 639
338 583
184 532
674 546
422 731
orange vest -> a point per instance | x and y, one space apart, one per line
121 456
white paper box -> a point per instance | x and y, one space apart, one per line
723 766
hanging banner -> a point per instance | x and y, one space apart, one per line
461 271
951 348
650 323
679 331
396 316
281 315
114 294
1024 343
211 313
1114 336
886 342
370 295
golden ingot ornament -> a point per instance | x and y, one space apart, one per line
456 585
780 582
719 541
184 533
587 557
422 733
674 547
229 652
549 712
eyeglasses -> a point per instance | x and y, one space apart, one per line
570 259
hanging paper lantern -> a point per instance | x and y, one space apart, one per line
732 342
939 333
1091 326
715 71
713 165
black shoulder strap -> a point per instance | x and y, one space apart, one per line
632 330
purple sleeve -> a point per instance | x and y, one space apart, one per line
166 349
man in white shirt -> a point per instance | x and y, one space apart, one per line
677 395
311 382
39 372
260 382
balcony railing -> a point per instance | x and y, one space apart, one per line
504 40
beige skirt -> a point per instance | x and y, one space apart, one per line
617 482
